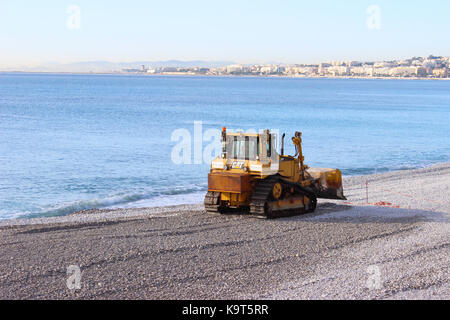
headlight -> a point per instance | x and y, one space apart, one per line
255 167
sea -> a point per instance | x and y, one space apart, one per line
70 142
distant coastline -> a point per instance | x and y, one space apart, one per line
415 68
179 74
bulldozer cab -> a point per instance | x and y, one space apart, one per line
251 146
242 147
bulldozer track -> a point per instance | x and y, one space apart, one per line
262 196
211 202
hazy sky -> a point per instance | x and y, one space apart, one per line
294 31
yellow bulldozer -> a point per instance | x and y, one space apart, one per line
251 176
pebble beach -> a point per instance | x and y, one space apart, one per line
389 240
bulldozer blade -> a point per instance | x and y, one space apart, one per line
327 183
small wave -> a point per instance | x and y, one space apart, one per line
167 200
123 200
161 196
349 172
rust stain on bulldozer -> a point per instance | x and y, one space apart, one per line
229 182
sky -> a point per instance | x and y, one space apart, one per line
244 31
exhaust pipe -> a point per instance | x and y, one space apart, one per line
282 144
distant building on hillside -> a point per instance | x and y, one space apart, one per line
234 68
381 72
323 68
362 71
338 70
169 69
440 73
408 71
131 70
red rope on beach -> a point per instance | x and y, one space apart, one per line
413 197
378 204
389 204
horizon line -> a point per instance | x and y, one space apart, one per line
215 61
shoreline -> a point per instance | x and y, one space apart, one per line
158 207
171 74
181 252
111 212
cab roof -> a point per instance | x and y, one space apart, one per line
244 134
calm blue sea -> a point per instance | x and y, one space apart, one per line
71 142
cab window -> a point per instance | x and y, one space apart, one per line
269 146
244 148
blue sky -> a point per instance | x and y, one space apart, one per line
291 31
